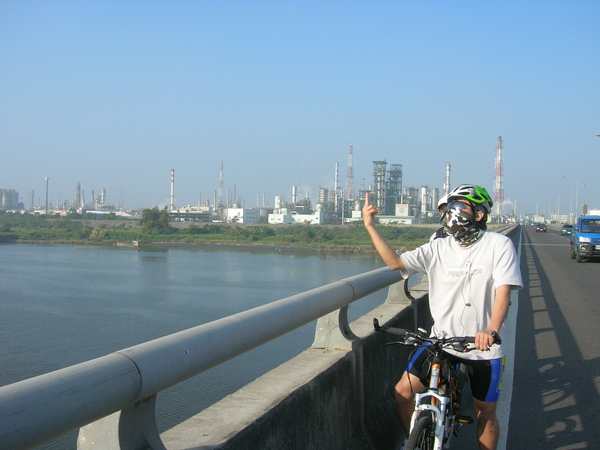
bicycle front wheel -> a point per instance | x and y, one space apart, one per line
422 435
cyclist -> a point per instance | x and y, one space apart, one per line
471 274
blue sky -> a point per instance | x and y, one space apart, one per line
115 94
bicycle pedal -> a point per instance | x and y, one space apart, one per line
464 419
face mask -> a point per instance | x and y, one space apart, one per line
459 223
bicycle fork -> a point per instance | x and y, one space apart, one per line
437 405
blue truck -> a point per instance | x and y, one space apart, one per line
585 238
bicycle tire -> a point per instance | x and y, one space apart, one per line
422 435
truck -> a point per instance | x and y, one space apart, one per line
585 238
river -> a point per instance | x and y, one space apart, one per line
65 304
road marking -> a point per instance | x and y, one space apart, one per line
504 402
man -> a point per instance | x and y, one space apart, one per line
471 274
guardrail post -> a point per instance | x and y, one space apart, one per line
333 330
399 294
133 427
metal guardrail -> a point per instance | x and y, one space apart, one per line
112 398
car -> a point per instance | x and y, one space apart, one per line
585 239
567 229
540 227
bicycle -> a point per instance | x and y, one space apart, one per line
436 419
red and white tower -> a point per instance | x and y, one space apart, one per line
498 190
350 177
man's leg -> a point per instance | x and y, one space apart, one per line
404 391
488 428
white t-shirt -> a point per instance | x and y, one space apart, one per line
463 281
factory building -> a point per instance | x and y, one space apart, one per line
9 199
191 214
284 216
242 215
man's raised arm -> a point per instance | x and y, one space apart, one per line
387 253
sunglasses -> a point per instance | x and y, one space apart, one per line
459 205
455 204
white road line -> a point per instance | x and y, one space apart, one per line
508 341
548 245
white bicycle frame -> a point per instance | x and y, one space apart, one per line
438 411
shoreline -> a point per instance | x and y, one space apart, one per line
350 249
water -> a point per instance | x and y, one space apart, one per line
62 305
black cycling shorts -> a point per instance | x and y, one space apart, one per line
485 375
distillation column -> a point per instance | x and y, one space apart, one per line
379 188
394 189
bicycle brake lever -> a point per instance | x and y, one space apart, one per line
461 346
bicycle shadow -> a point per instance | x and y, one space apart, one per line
467 436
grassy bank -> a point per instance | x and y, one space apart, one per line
348 238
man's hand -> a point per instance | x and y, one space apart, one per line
484 340
368 212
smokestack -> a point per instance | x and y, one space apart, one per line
172 207
350 176
447 180
498 190
334 195
424 200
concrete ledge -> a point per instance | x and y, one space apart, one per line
219 423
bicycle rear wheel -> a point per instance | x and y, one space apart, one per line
422 436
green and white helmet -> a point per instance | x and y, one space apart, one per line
476 194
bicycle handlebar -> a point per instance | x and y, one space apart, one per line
413 338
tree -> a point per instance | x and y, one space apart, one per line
155 221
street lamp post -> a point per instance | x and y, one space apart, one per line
571 205
558 196
549 216
576 195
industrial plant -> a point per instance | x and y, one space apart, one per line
9 201
334 205
337 204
